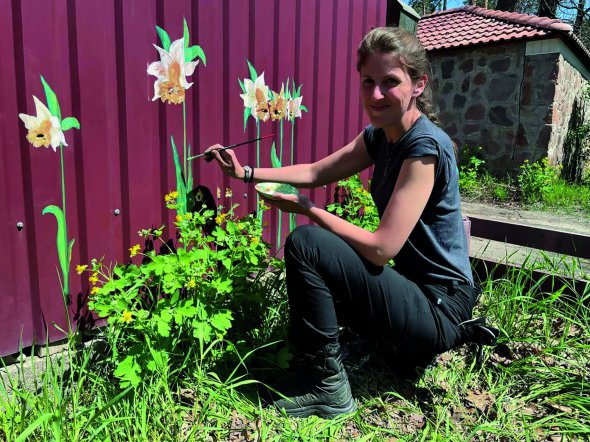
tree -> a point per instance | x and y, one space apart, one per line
506 5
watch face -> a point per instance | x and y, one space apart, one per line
269 189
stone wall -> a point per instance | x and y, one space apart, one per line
569 94
497 98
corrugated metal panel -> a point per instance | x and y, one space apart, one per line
94 54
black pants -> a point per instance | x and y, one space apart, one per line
330 284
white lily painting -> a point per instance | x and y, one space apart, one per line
44 128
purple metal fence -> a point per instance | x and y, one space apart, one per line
94 53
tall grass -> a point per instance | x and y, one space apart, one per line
532 386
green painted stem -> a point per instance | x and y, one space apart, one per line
63 209
280 214
184 158
258 211
66 276
292 216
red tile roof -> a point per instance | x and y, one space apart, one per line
470 25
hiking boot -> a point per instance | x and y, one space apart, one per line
328 392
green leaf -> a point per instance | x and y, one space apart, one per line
202 331
189 184
273 156
303 108
284 356
222 321
193 52
164 38
62 244
253 74
180 183
242 86
69 122
128 370
52 102
246 115
185 34
33 426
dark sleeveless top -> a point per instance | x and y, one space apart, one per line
436 250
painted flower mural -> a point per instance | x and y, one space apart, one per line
44 128
171 72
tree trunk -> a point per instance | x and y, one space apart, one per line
579 16
547 8
507 5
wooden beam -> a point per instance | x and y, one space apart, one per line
565 243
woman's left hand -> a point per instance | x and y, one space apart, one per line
290 203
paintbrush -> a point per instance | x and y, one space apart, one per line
209 156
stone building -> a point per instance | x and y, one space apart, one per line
511 83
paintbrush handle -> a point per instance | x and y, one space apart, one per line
208 154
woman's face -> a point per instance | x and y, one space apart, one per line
388 94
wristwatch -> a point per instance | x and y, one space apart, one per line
247 174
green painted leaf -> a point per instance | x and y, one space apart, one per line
180 183
193 52
69 122
253 74
62 243
292 222
246 115
186 34
242 86
273 156
298 93
164 38
303 108
52 102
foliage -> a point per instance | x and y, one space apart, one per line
536 179
532 386
468 175
353 202
189 293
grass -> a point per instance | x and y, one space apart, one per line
538 186
532 386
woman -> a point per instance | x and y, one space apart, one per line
337 271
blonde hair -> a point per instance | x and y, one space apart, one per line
411 55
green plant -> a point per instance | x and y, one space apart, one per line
354 203
469 174
535 179
189 293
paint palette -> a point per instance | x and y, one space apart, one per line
269 189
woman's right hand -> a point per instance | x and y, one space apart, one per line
227 161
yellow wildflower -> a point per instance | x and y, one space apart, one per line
191 283
219 219
80 269
255 240
178 218
93 279
94 290
134 250
126 316
188 215
171 196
